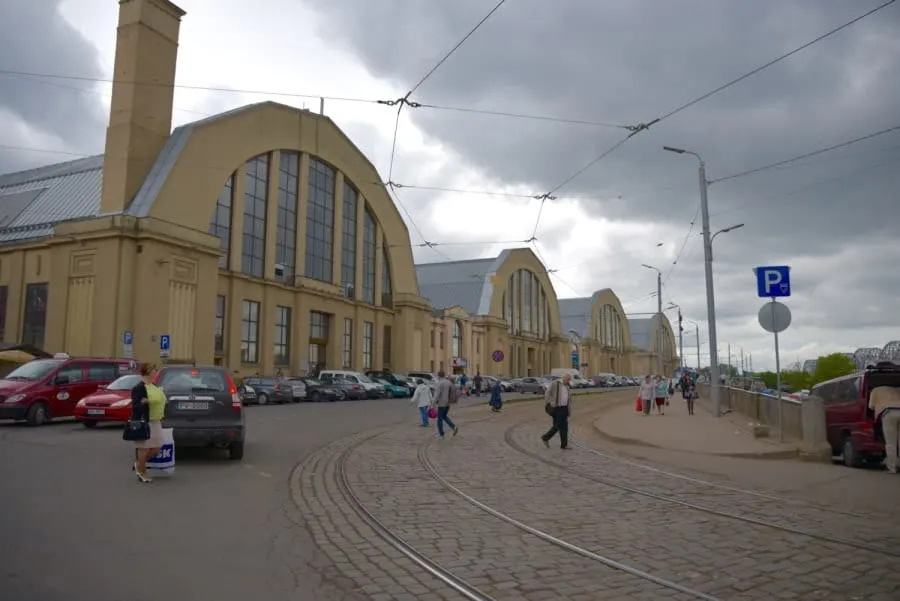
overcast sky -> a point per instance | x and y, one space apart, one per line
833 218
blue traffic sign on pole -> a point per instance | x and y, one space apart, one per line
164 342
128 338
773 281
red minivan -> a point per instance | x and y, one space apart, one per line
44 389
853 431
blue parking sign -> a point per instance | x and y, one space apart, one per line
165 342
773 281
128 338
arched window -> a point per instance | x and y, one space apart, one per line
456 345
348 236
386 290
220 224
320 222
256 200
609 329
368 279
286 218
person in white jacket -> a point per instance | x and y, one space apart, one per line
648 394
422 399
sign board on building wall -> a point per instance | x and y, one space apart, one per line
497 356
460 362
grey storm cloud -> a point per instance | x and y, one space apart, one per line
35 38
630 62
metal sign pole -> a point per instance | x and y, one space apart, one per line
778 379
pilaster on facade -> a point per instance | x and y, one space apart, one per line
271 214
302 202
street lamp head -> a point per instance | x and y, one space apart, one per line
733 227
649 267
673 149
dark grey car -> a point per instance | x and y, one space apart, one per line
204 408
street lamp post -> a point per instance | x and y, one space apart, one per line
680 335
715 393
659 318
697 334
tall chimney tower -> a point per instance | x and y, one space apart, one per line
140 118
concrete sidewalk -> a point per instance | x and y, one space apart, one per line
727 436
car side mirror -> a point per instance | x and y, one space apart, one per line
60 380
102 387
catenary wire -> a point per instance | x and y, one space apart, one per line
39 77
455 48
683 246
641 127
774 61
805 155
187 86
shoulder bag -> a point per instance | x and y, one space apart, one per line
136 430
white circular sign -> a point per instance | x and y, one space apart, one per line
775 317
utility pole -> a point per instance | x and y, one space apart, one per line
697 332
710 296
743 370
680 341
729 359
659 324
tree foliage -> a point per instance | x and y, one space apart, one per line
827 367
833 366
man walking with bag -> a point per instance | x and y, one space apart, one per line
557 406
445 395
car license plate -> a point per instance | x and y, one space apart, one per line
96 411
193 406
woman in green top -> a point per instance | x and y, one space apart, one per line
662 394
148 403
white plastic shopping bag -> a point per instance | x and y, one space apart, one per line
164 460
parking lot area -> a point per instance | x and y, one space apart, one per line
76 525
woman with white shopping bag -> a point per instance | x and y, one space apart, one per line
148 406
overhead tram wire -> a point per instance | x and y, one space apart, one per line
774 61
805 155
641 127
683 246
405 101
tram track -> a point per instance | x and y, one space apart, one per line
555 541
343 482
666 498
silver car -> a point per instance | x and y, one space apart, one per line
533 385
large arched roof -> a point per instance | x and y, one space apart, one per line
187 177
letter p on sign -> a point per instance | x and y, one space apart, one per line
773 281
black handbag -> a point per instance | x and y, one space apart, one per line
136 431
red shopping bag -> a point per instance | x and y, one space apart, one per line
432 412
638 406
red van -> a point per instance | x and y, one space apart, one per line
44 389
853 431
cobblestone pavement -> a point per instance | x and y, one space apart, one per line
723 557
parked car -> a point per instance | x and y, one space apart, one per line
352 391
534 385
46 389
292 387
318 391
429 378
108 404
393 379
853 431
394 390
204 408
276 389
248 394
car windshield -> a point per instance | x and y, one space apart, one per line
193 379
364 379
33 370
313 382
125 382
